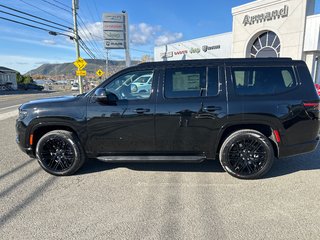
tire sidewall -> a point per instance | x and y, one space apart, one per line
66 137
223 156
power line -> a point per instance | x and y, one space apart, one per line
43 10
32 26
46 20
62 4
34 21
92 43
86 49
55 5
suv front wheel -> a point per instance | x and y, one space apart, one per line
246 154
60 153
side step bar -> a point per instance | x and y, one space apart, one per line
152 158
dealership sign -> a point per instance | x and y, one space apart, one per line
113 17
206 48
166 55
114 44
113 35
268 16
115 30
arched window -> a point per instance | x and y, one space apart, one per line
266 45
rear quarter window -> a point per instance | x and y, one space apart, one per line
263 80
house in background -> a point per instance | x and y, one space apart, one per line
8 77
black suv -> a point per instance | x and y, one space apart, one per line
243 112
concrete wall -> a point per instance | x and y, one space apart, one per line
289 26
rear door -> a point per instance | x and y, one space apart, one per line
191 106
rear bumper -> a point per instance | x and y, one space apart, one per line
286 151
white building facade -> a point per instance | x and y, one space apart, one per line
262 28
8 77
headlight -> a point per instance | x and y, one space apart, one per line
22 114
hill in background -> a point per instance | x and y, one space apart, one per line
68 69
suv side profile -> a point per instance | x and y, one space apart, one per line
242 112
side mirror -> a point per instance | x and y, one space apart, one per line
105 97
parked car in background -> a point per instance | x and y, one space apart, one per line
30 86
75 87
142 84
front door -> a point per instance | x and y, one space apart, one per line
126 127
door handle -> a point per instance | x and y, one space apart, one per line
141 110
211 108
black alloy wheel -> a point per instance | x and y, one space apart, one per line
246 154
60 153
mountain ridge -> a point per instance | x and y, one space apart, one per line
54 69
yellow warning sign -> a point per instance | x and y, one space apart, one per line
99 72
81 73
80 63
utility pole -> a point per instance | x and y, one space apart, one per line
75 6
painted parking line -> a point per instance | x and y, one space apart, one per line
4 116
14 106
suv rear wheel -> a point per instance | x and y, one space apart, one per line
60 153
246 154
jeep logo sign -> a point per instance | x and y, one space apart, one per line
268 16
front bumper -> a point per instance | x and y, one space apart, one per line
21 139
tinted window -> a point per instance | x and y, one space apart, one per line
263 80
191 82
213 81
133 85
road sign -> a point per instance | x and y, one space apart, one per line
81 73
99 72
80 63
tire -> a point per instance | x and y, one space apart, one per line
60 153
246 154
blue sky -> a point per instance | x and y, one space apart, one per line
151 23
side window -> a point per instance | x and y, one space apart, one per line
191 82
213 81
263 80
132 86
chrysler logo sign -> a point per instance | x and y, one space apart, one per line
268 16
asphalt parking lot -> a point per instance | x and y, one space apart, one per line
153 201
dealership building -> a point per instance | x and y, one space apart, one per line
262 28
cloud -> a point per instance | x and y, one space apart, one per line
49 42
143 33
92 31
140 34
168 38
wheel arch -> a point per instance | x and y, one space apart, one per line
41 129
263 128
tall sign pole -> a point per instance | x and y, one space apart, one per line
126 22
75 6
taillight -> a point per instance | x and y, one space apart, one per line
277 135
312 105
